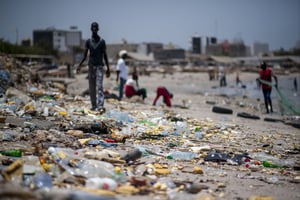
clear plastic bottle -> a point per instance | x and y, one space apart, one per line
119 176
101 183
181 155
42 180
85 167
271 161
133 155
198 135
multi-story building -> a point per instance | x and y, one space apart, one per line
147 48
61 40
260 48
196 45
114 49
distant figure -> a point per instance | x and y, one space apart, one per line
222 78
238 80
266 75
96 47
131 90
122 72
239 83
69 70
211 74
295 84
135 76
167 96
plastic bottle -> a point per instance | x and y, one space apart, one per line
95 168
84 167
119 116
119 176
181 155
270 161
59 161
198 135
270 164
12 152
101 183
8 135
42 180
30 125
132 156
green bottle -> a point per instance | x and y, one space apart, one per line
269 164
12 152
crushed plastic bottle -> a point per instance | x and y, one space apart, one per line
198 135
132 156
8 135
42 180
122 117
82 167
181 155
90 168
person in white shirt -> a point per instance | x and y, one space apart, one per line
122 72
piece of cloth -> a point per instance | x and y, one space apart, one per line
162 91
129 91
96 86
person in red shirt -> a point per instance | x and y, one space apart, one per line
266 74
167 96
131 89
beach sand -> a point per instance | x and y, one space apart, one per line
194 96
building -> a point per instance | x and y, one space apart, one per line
169 54
26 42
196 45
114 49
260 48
61 40
147 48
225 48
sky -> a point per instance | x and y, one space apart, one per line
276 22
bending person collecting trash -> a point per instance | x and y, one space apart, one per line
265 79
167 96
131 89
96 46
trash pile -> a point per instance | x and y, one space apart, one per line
54 147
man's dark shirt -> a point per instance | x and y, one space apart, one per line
97 50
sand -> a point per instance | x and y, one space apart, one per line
192 90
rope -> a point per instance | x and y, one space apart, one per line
284 101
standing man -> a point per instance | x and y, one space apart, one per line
122 72
96 46
265 75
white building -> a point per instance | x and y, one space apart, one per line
260 48
61 40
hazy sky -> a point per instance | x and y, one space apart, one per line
276 22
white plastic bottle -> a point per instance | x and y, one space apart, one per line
101 183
